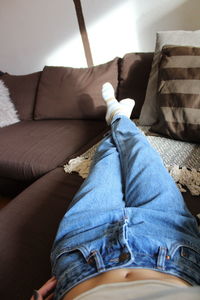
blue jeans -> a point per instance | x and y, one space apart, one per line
128 213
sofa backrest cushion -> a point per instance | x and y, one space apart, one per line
134 73
74 93
22 89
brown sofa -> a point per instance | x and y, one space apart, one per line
61 115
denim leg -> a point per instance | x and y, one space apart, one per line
102 189
147 182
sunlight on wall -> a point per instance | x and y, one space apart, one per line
117 27
110 35
70 54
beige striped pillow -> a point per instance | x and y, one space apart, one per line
178 95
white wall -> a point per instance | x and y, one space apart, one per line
35 33
116 27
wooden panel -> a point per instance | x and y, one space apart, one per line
83 32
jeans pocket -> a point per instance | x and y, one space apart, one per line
68 259
187 261
191 255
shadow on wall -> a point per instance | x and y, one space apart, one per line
32 31
95 9
183 17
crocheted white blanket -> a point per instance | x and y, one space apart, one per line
180 158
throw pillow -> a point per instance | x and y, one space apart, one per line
74 93
178 96
8 114
148 114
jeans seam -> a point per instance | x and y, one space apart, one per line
115 138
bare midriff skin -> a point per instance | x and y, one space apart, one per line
122 275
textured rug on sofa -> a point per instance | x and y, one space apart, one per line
182 160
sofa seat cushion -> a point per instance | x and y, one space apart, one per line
29 149
28 225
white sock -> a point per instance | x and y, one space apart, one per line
124 107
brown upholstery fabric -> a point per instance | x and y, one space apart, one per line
28 226
178 96
12 187
23 90
29 149
74 93
134 73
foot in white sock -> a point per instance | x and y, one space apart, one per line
108 92
124 107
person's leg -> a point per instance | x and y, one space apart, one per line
102 189
146 180
101 193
